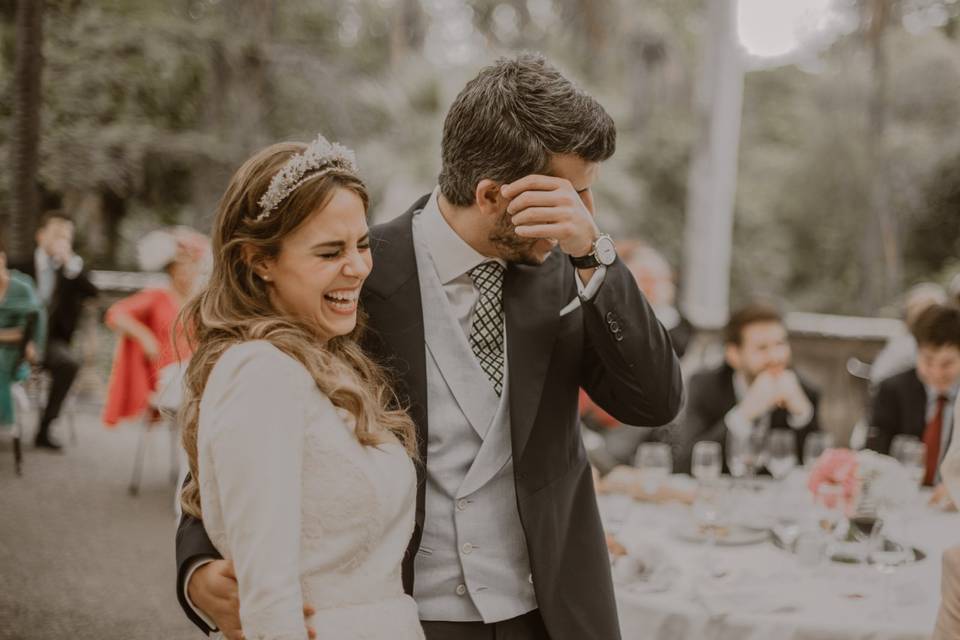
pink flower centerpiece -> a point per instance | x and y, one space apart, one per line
836 468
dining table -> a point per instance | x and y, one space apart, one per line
778 574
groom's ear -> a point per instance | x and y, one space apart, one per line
489 199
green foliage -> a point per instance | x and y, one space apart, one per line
152 105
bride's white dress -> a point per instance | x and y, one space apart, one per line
306 513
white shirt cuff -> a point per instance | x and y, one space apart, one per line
802 420
586 292
73 267
737 423
186 593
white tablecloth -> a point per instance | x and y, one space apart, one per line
761 592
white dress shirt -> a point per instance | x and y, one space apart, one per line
947 426
740 426
46 268
454 259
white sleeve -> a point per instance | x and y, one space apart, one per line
255 418
802 420
73 267
737 423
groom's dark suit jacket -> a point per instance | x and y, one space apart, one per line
612 346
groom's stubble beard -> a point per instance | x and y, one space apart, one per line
512 248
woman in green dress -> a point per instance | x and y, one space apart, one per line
22 332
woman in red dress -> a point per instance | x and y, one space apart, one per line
145 321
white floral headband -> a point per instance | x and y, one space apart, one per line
320 156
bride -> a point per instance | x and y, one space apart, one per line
300 470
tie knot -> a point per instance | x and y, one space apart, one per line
487 276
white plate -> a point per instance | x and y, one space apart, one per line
632 575
732 535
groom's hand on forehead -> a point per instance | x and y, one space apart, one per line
552 208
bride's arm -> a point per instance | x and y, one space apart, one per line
253 414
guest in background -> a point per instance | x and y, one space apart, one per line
22 332
63 285
656 279
919 402
755 388
900 352
616 444
145 321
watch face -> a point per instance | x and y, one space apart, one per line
605 251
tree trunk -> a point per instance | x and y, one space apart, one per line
26 128
881 251
713 171
407 31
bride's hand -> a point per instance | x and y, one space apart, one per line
213 589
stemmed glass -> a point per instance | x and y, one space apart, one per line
814 445
830 503
706 467
656 464
865 526
781 459
707 463
781 453
912 454
886 555
746 454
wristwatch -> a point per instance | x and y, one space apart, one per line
604 253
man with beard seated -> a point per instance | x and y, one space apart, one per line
754 389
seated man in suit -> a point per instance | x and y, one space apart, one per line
919 402
755 388
63 285
900 352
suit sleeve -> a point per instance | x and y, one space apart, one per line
193 545
883 418
629 368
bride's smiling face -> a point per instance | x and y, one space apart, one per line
318 272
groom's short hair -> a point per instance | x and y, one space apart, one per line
510 119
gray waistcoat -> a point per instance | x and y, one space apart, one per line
473 562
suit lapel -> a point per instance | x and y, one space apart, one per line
532 299
451 351
391 300
916 406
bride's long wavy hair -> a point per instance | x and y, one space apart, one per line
235 307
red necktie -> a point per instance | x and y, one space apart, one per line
931 438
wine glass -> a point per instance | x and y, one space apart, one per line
830 503
896 445
865 527
707 511
814 446
707 462
781 453
886 556
912 454
655 462
745 454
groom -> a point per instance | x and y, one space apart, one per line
493 300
